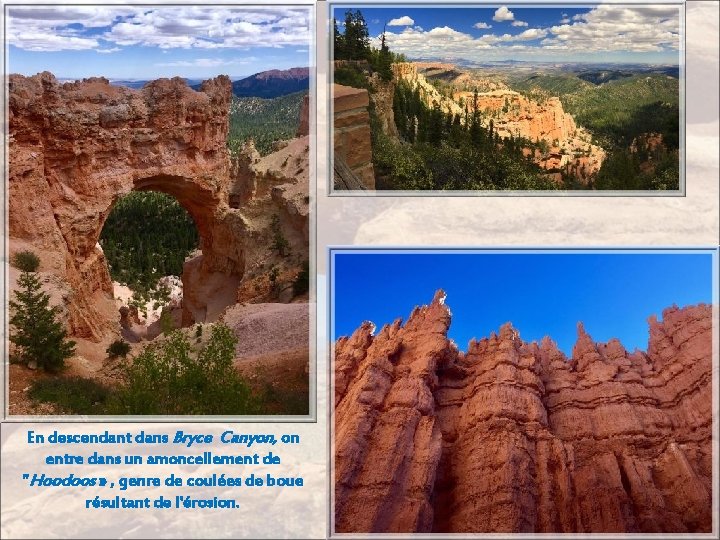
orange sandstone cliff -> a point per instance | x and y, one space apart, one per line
570 146
515 437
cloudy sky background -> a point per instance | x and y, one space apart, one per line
605 33
150 42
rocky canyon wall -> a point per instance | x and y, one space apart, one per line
351 126
408 71
515 437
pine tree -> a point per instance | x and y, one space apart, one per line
435 125
356 39
475 128
41 338
385 60
362 37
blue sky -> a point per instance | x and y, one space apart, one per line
541 294
133 42
604 33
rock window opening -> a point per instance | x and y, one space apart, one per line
145 239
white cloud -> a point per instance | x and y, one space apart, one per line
482 25
401 21
44 41
617 28
48 28
446 32
196 27
503 14
530 34
519 23
527 35
108 51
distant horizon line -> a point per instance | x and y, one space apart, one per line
674 64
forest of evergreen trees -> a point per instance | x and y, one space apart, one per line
639 167
617 113
264 120
147 236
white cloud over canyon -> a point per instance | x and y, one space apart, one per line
57 28
614 28
605 28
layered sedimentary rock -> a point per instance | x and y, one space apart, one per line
75 148
382 100
351 126
515 437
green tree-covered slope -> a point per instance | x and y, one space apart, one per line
264 120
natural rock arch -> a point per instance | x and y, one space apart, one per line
78 147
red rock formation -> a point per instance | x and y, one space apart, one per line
514 437
75 148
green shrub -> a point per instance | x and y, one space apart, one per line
26 261
170 378
273 276
119 347
167 324
73 395
351 75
